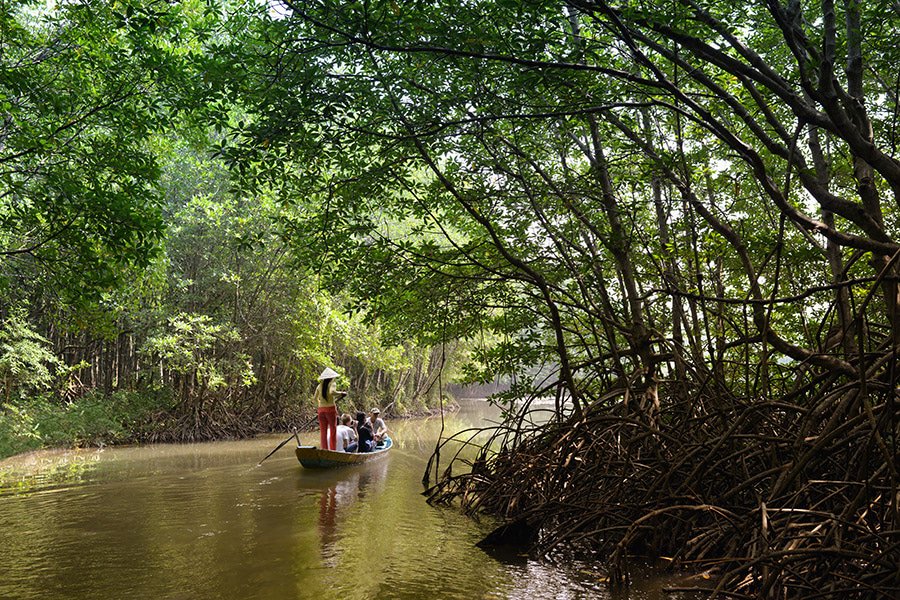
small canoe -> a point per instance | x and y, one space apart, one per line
312 457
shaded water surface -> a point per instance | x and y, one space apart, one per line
204 521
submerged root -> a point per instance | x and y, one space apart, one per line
782 500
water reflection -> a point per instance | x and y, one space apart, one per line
328 509
47 470
336 502
203 522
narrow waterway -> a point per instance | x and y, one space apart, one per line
204 521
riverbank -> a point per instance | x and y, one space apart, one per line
98 420
746 494
91 420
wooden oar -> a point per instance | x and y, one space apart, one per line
294 434
279 446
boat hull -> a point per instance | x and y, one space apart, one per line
312 457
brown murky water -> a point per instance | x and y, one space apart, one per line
204 521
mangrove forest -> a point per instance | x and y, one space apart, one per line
664 230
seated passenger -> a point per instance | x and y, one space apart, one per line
346 435
379 428
364 430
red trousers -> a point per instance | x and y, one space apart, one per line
327 427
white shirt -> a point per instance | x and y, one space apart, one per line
344 437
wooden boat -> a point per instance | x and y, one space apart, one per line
312 457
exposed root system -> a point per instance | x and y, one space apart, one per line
783 499
168 427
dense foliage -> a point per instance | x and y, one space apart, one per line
142 295
678 219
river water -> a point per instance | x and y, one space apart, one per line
203 521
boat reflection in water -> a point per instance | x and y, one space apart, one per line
338 503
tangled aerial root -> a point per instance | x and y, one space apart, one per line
781 499
220 424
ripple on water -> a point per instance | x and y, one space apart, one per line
205 522
47 471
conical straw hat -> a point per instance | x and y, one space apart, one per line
328 374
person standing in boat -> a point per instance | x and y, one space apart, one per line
326 397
